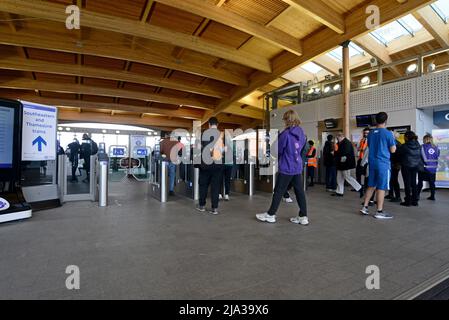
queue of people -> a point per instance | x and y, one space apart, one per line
378 160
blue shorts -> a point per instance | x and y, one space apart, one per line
379 177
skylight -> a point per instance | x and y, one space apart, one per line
354 50
407 25
441 7
312 67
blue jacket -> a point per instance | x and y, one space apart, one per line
290 146
430 154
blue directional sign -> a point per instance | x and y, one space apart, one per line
39 141
38 132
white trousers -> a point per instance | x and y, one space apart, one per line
343 176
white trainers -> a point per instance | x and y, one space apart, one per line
220 197
265 217
304 221
364 211
288 200
383 216
226 197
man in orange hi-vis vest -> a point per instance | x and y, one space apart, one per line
361 170
312 163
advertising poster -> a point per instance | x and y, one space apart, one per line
441 139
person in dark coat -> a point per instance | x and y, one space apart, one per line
329 163
395 189
345 162
74 150
88 148
411 163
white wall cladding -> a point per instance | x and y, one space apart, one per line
433 89
363 102
390 97
330 108
427 91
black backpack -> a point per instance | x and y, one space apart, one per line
94 148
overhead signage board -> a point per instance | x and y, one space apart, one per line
38 132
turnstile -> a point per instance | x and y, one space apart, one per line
158 184
243 179
265 178
82 186
187 181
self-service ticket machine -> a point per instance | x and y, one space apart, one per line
12 202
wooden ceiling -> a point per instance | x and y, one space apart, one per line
164 63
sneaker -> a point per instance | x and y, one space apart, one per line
265 217
371 203
383 216
226 197
431 198
336 195
201 208
331 190
213 211
220 197
288 200
365 211
304 221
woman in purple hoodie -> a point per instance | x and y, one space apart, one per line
290 145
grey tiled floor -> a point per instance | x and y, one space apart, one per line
139 249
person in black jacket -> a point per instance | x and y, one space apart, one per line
211 167
394 194
329 163
345 162
411 163
74 150
88 148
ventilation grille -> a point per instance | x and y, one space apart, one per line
433 89
391 97
330 108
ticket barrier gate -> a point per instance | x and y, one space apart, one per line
267 182
265 178
158 184
75 183
187 181
243 180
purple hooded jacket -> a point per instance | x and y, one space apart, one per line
290 145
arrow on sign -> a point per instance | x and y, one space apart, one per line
40 141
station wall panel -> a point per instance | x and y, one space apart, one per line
433 90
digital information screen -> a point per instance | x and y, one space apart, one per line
6 137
